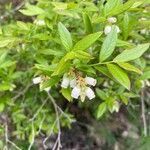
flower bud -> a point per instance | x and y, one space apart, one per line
112 20
89 93
107 30
37 80
76 92
90 81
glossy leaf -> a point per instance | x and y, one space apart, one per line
32 10
6 41
65 36
87 23
101 109
108 45
119 75
146 75
121 8
66 93
101 94
131 54
129 67
86 42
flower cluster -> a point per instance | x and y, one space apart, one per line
39 80
108 28
80 86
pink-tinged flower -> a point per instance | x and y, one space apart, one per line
76 92
90 81
37 80
89 93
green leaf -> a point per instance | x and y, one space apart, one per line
129 67
82 55
7 63
125 29
23 26
32 10
45 68
5 86
131 54
119 75
101 94
101 109
65 36
67 94
51 52
108 45
121 8
124 99
49 83
86 42
111 5
6 41
87 23
104 71
121 43
64 62
2 106
146 75
113 105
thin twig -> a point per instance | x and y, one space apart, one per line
38 111
51 131
58 141
143 112
7 139
33 137
22 92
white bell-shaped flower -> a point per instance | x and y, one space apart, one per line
107 29
90 81
73 83
76 92
112 20
89 93
65 82
37 80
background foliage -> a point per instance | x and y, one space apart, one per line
48 39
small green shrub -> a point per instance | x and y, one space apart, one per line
70 51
